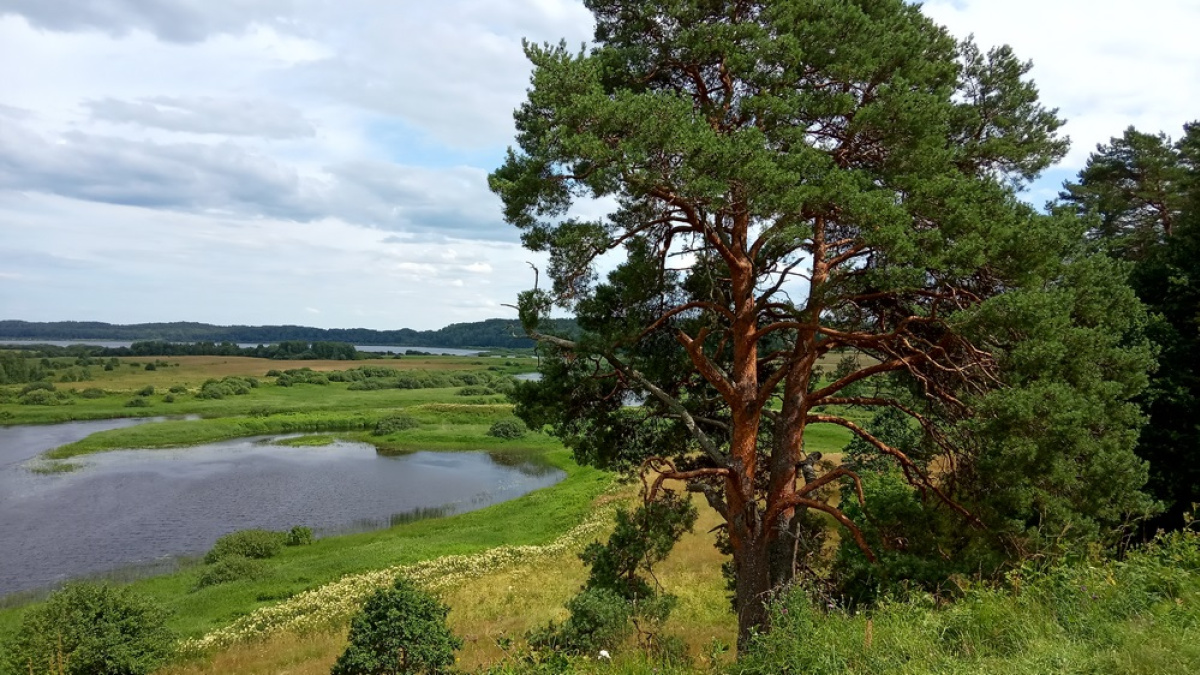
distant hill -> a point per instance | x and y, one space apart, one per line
494 333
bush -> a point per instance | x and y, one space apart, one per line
394 423
169 398
37 386
147 390
475 391
231 568
137 403
179 389
509 427
151 366
299 536
92 392
39 397
599 620
246 543
227 386
90 629
400 630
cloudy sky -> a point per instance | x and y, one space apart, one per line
324 163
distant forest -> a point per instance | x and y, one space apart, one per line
492 333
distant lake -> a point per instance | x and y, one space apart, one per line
136 507
441 351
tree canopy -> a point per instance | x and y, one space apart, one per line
801 181
1142 193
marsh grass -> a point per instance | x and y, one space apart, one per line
51 467
306 441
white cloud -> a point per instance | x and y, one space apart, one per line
206 115
67 259
1106 64
170 20
252 161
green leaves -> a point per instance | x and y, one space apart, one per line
796 182
400 631
90 629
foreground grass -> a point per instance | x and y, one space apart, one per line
1141 615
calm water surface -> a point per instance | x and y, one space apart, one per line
133 507
113 344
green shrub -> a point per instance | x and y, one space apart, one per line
617 594
169 398
227 386
178 389
137 403
599 620
246 543
90 629
37 386
299 536
475 391
92 392
147 390
509 427
231 568
400 630
395 423
39 397
151 366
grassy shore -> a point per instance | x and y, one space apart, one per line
535 518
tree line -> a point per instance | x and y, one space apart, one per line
492 333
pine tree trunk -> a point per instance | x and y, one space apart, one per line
752 591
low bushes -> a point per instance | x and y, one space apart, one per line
44 397
395 423
401 629
248 544
299 536
239 555
90 629
231 568
226 386
509 427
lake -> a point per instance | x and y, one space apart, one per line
374 349
147 507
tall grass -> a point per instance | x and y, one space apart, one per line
1140 615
